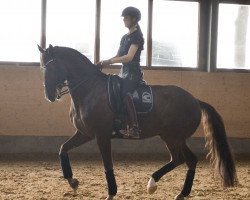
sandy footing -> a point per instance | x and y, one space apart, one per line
41 178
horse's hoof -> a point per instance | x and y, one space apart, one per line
179 197
151 187
74 183
110 197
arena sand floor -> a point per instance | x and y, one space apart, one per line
39 177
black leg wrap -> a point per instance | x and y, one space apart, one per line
161 172
66 168
112 187
188 183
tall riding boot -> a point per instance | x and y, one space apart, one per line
133 131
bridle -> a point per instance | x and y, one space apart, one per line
64 88
51 60
60 91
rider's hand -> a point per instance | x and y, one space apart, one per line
104 63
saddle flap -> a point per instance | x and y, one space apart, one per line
142 96
114 93
143 99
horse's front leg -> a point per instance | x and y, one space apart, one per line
105 149
75 141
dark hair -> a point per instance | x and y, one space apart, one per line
139 30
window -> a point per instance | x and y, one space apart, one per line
72 24
112 26
20 30
233 49
198 34
175 33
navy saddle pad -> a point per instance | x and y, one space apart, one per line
142 96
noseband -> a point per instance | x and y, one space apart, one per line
60 91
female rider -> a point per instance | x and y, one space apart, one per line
129 54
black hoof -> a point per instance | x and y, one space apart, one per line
74 183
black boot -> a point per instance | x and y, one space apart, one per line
132 132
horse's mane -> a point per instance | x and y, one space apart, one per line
76 56
72 53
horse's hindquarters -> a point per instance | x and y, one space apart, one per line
176 113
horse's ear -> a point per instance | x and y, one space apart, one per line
50 50
41 49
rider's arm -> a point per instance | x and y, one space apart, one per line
126 58
121 59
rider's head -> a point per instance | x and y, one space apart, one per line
131 16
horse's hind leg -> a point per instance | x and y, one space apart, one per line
75 141
176 160
191 162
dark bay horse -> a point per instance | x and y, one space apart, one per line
175 117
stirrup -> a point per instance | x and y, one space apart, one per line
133 132
124 132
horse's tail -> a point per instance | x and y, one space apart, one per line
219 150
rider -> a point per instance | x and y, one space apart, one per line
129 54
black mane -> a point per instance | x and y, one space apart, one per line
77 58
72 53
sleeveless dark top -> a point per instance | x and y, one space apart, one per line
132 67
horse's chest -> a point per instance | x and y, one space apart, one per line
81 117
88 113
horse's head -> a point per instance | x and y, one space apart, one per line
55 73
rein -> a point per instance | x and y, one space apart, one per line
61 92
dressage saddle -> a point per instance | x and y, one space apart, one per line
142 98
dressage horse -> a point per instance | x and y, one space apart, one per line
175 116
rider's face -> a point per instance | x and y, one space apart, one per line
128 21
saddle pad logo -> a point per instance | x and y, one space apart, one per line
135 95
146 97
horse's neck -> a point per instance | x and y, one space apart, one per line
76 73
87 96
87 85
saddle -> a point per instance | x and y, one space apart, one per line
142 96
